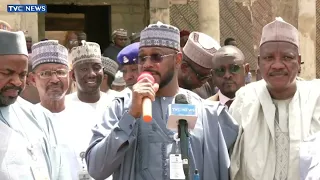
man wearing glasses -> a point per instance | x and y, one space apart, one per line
229 72
50 75
125 146
195 69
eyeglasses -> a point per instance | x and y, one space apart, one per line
60 73
155 58
234 69
200 77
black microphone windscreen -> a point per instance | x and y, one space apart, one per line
181 99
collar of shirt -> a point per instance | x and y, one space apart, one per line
223 99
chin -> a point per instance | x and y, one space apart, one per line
6 101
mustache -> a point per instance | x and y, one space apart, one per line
11 87
228 82
59 84
152 72
277 73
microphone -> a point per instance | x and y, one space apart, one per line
182 116
146 102
181 110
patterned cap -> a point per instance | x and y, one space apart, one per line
49 51
160 35
279 30
129 54
109 66
88 52
118 79
200 48
12 43
228 52
120 32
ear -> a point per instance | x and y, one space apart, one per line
184 67
178 59
71 74
31 79
299 60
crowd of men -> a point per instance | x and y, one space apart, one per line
88 125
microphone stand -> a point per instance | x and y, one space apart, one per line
184 145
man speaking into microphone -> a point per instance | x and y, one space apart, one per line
130 147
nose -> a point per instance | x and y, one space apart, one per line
147 64
227 75
54 78
91 73
278 63
127 76
17 80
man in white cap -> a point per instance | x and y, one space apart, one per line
279 117
118 83
229 72
50 75
196 66
88 104
131 149
110 68
27 146
119 41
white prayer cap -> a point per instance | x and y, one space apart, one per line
109 66
87 52
49 51
118 79
200 48
279 30
160 35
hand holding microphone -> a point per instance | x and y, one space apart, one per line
143 93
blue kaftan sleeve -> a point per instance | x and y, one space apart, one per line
111 140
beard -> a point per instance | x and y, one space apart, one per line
8 100
166 78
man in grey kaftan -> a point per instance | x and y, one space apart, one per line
130 149
27 145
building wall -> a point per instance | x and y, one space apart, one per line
20 21
128 14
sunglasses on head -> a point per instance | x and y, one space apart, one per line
234 69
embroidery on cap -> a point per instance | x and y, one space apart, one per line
125 59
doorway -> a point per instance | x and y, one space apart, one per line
95 21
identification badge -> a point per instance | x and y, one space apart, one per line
176 167
84 175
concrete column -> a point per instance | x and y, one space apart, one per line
301 14
159 11
209 18
307 29
29 21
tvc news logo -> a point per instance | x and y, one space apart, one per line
25 8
